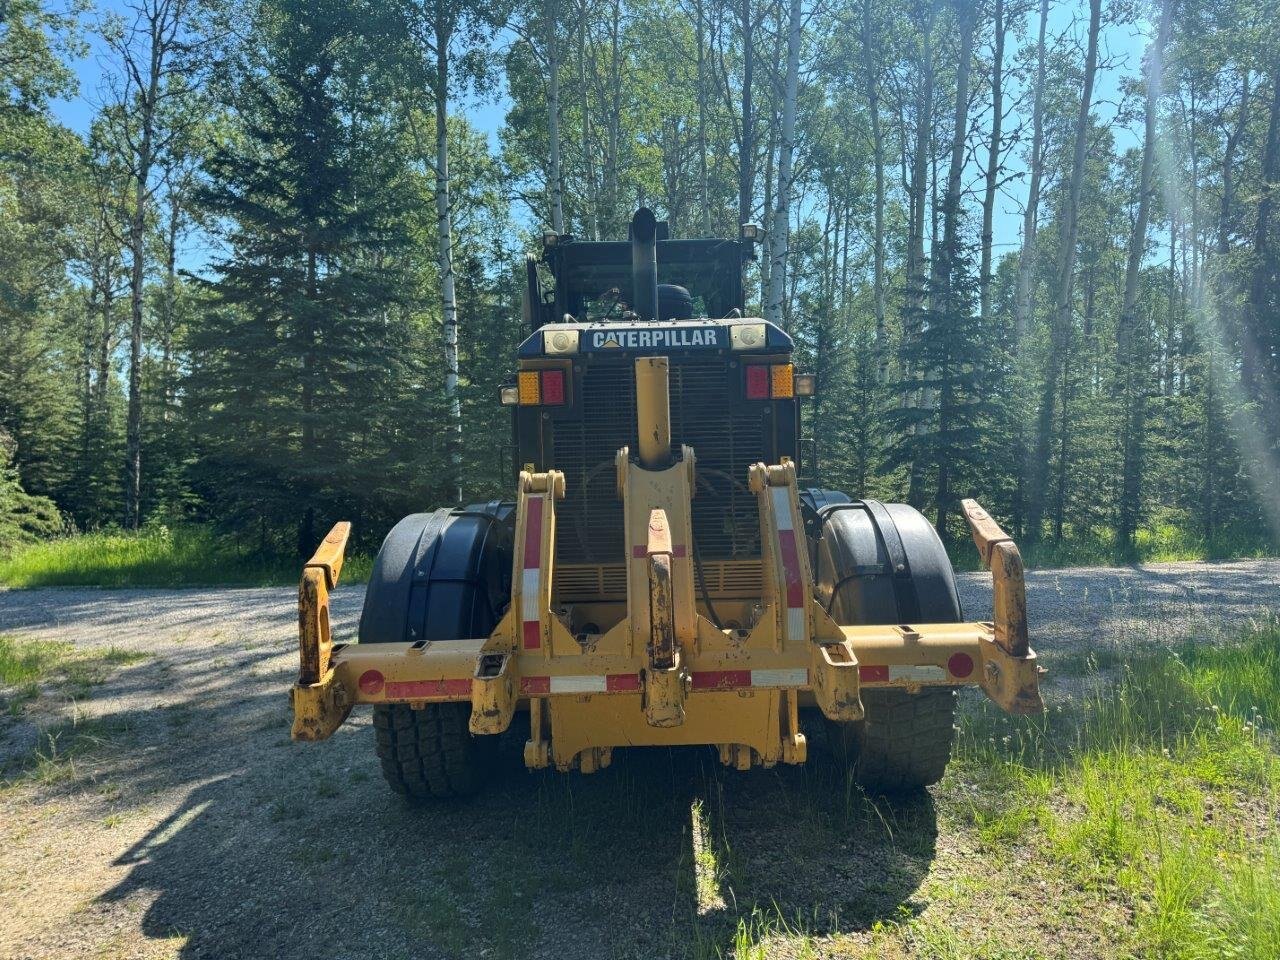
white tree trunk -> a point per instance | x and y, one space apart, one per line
1138 239
146 52
444 218
746 155
993 159
1133 380
551 15
703 188
1060 331
877 140
780 242
1031 214
137 278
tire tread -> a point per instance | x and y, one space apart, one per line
428 753
904 742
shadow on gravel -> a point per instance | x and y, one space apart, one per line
291 850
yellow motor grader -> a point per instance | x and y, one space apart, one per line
661 578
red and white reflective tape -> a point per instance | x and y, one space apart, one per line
789 550
706 680
428 689
531 576
740 679
894 672
372 683
580 683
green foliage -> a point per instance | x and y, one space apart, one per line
297 377
157 556
947 423
29 666
309 367
23 517
1160 782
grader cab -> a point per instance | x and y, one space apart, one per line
661 578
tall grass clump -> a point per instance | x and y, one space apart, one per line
1159 783
156 556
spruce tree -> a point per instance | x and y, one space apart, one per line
947 422
307 339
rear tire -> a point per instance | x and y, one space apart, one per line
881 564
429 753
438 577
904 742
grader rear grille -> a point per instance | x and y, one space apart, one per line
726 524
588 583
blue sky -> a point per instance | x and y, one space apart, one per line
1122 44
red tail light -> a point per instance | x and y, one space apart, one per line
552 387
757 382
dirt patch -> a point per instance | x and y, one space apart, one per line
194 828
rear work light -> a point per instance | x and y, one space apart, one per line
765 381
541 387
560 341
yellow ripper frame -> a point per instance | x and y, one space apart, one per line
664 674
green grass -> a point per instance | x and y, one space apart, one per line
27 665
60 750
187 556
155 557
29 668
1167 538
1159 789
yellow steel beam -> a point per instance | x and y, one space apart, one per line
329 555
319 576
444 670
653 412
1008 583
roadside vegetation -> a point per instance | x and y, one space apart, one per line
192 555
1157 788
156 556
41 685
28 666
1168 537
1139 818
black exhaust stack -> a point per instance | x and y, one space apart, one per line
644 264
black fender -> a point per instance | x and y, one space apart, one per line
882 563
813 500
441 576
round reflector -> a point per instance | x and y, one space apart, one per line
960 665
371 682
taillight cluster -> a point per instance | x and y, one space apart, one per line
541 388
769 381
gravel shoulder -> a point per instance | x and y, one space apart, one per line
199 830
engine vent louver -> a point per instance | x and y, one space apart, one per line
726 441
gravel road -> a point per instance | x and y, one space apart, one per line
1160 603
198 830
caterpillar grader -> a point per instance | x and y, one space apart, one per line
662 577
